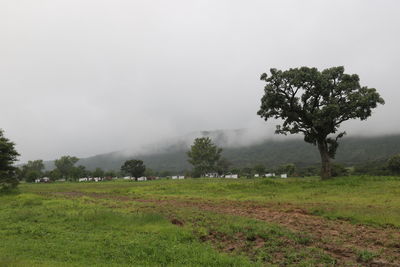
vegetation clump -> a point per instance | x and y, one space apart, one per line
8 156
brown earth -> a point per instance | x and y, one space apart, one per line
338 238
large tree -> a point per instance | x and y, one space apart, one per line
315 103
204 156
134 167
8 156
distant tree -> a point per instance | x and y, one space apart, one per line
259 169
32 170
53 174
8 156
203 155
223 166
110 173
315 103
394 164
65 166
98 172
339 170
149 172
247 172
134 168
287 168
79 172
165 173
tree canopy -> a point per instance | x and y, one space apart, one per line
66 166
32 170
8 156
134 167
394 164
204 156
315 103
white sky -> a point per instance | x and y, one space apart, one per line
83 77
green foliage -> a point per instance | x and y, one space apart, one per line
394 164
289 169
315 103
204 156
98 172
259 169
8 155
366 256
339 170
223 166
65 166
32 170
134 167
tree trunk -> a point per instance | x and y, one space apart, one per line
326 171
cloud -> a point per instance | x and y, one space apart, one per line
84 78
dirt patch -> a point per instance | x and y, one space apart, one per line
340 239
177 222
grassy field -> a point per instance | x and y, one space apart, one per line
348 221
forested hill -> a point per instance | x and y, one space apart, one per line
352 150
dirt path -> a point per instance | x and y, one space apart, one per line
341 239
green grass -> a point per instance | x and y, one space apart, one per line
360 199
57 232
41 227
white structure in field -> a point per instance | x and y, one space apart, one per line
174 177
127 178
82 179
284 175
231 176
142 179
270 175
212 175
256 175
181 177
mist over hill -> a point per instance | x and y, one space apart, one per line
241 148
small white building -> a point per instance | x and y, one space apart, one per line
231 176
142 179
127 178
270 175
174 177
83 179
212 175
180 177
256 175
284 175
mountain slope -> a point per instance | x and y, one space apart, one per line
271 153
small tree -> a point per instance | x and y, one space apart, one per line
203 155
394 164
134 168
8 156
223 166
98 172
315 103
259 169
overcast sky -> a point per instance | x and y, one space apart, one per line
83 77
